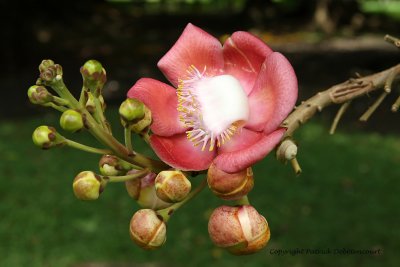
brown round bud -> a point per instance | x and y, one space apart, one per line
144 192
87 186
172 186
147 229
240 230
230 186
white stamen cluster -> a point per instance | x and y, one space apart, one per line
191 115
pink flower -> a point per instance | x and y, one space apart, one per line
228 103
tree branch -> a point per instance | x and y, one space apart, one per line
340 94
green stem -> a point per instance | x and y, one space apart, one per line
243 201
146 137
52 105
116 179
86 148
167 212
99 115
82 99
59 101
103 136
128 139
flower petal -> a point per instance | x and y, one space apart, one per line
194 47
178 152
240 140
274 94
232 162
161 99
244 54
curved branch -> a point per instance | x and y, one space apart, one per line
337 94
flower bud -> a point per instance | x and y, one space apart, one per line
131 110
94 76
172 186
143 124
110 165
147 229
71 120
39 95
46 137
87 186
49 71
144 192
240 229
91 106
287 150
230 186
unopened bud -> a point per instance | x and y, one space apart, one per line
110 165
91 106
287 150
230 186
240 229
87 185
172 186
147 229
139 125
39 95
50 71
46 137
131 110
94 76
144 192
71 120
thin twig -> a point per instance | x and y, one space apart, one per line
396 105
373 107
339 115
393 40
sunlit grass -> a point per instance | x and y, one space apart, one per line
347 197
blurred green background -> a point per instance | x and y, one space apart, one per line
347 196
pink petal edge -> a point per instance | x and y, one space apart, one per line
244 54
161 99
178 152
236 161
274 94
194 47
242 139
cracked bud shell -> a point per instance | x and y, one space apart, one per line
147 229
94 76
110 165
46 137
144 192
240 230
39 95
87 186
71 120
172 186
230 186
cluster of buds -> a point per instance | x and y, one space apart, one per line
157 189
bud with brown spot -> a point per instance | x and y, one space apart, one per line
240 230
172 186
147 229
87 185
230 186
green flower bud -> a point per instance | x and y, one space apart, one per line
147 229
71 120
91 106
45 64
240 230
46 137
87 185
172 186
110 165
49 72
94 76
131 110
144 192
141 125
230 186
39 95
